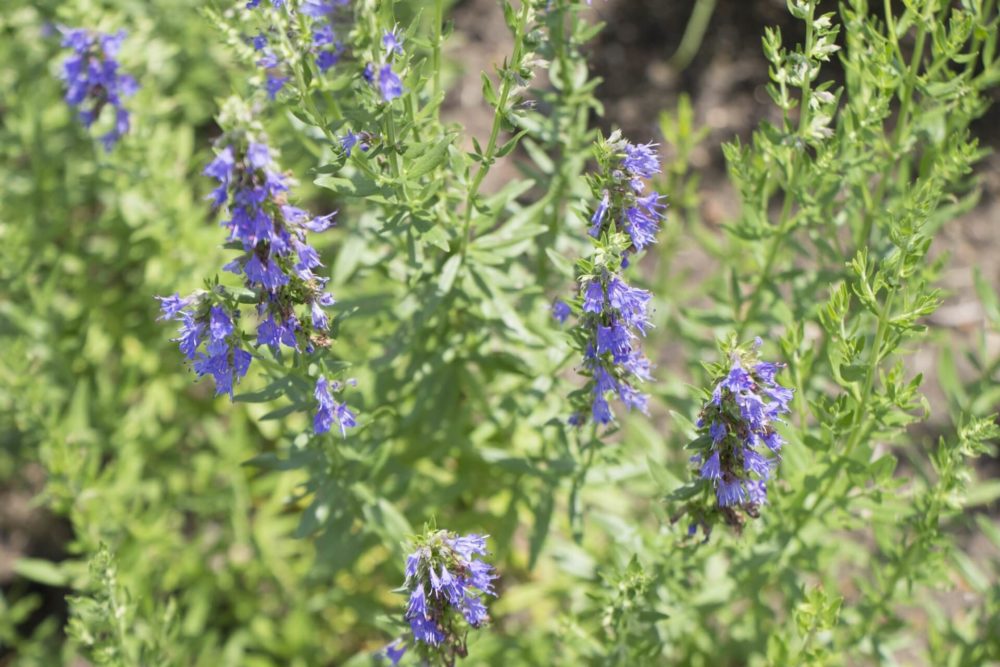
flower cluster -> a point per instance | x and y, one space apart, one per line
275 79
209 338
316 29
389 84
330 410
325 46
445 580
321 41
276 262
737 423
93 80
614 314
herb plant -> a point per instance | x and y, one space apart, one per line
410 323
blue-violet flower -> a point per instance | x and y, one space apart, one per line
613 314
447 582
738 424
277 264
93 79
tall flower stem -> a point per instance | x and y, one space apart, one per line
501 111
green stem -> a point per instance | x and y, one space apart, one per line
436 53
484 166
411 111
307 97
488 154
694 33
807 84
390 128
558 181
902 119
575 517
765 273
860 411
783 223
860 426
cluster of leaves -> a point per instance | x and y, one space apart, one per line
135 455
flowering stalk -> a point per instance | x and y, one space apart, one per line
314 29
93 80
612 314
289 38
276 263
446 582
738 444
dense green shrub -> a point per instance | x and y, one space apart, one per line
206 531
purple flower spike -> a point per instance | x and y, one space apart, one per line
447 581
330 411
739 420
93 80
614 314
278 269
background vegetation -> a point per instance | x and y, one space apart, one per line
832 192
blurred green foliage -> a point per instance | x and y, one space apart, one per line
90 387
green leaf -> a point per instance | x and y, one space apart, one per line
385 519
438 237
319 510
356 187
503 459
882 469
539 157
489 93
984 492
561 263
543 518
271 392
511 143
686 492
448 272
852 372
43 571
428 160
685 424
504 237
987 296
663 478
271 461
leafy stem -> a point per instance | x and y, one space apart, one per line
765 272
390 128
486 159
902 118
438 41
784 226
860 411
